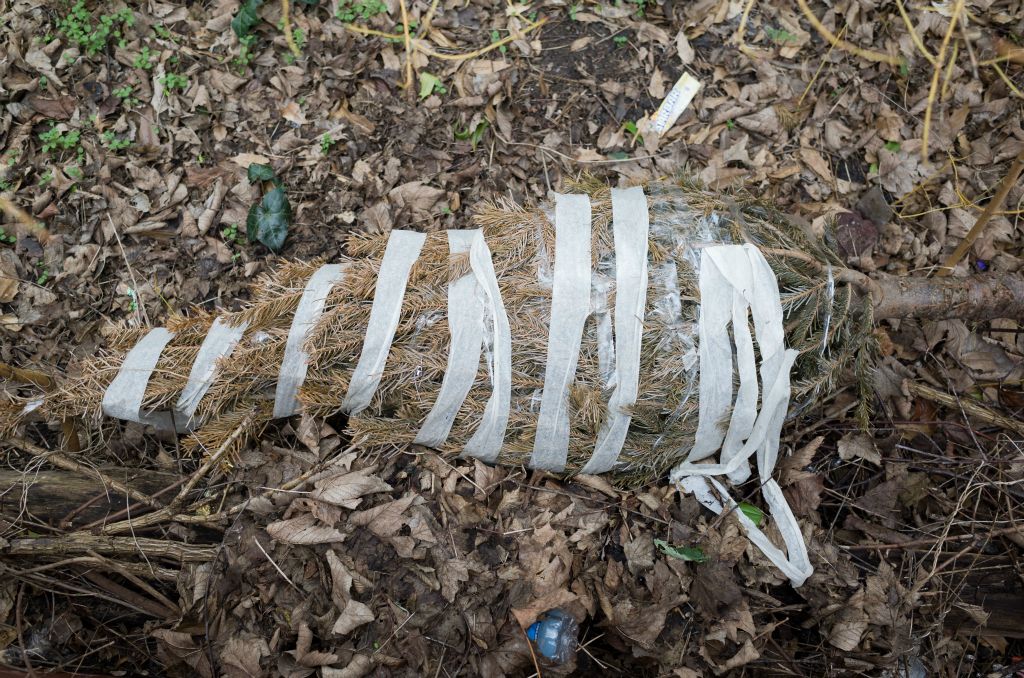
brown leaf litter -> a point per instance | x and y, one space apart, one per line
404 563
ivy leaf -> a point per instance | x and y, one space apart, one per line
755 514
268 221
259 172
690 554
247 18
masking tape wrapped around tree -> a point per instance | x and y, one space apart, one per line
587 336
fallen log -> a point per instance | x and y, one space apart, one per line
68 499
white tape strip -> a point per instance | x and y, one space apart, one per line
738 277
220 341
123 397
797 566
490 435
401 253
599 291
295 362
570 306
630 224
466 328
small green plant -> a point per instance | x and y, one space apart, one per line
43 82
46 178
574 10
430 84
350 10
730 124
892 146
246 53
495 37
74 171
7 238
127 96
44 275
780 35
873 168
630 128
92 37
691 554
620 40
173 81
231 236
269 219
472 134
163 32
133 303
144 59
55 138
641 7
111 141
326 142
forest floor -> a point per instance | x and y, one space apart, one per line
126 131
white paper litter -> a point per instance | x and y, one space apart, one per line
486 442
295 362
466 327
123 397
674 103
630 225
570 306
401 253
736 280
220 341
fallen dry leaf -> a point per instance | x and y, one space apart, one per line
293 114
353 616
346 489
859 446
850 625
9 281
417 196
303 529
384 520
357 668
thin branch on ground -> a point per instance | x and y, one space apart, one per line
825 33
933 89
990 209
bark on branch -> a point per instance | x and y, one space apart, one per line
981 297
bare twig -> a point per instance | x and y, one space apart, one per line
26 376
131 272
844 45
79 542
933 90
969 407
171 509
286 25
276 567
990 209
